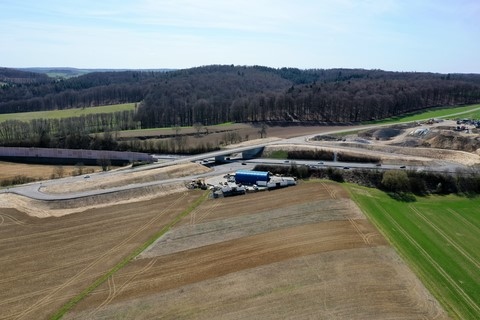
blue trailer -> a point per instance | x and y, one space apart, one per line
249 177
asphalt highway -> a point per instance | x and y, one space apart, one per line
34 190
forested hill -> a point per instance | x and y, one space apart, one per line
14 76
215 94
218 94
92 89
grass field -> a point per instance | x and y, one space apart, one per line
471 111
67 113
438 236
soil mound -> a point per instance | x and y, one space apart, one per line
386 133
452 141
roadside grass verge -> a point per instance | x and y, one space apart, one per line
79 297
470 111
438 238
276 154
66 113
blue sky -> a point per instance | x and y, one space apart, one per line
399 35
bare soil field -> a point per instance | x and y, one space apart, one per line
398 143
301 252
125 177
215 132
9 170
45 262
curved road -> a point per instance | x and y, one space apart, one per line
34 190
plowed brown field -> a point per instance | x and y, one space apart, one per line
301 252
45 262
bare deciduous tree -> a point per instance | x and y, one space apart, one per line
197 126
263 130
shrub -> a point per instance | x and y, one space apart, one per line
317 154
396 181
335 175
20 179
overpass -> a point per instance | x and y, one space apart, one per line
251 153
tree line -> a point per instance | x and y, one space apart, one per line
92 89
400 184
264 95
71 133
216 94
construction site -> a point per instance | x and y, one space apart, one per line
241 182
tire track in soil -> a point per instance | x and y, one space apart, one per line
47 271
332 193
30 255
47 298
468 300
113 292
208 212
180 268
321 279
460 217
234 264
234 257
342 227
77 224
254 246
42 252
446 237
33 294
14 220
357 229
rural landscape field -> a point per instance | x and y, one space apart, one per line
239 192
240 160
302 252
438 236
317 250
46 262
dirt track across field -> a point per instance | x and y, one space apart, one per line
301 252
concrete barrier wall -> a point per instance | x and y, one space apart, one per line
45 155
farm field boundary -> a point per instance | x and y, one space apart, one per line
66 113
437 237
470 111
303 252
70 304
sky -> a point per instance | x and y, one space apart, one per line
398 35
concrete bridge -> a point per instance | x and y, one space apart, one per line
245 154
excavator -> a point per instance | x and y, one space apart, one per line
197 184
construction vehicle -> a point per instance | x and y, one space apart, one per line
197 184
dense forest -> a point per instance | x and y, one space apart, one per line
219 93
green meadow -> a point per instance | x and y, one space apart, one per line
471 111
67 113
438 236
